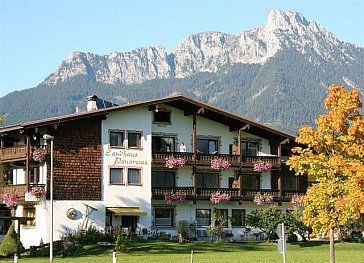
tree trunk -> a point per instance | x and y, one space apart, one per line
332 246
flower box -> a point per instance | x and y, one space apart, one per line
218 198
297 200
219 164
39 154
262 166
38 191
169 198
11 200
260 199
172 163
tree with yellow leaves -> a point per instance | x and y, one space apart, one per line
334 159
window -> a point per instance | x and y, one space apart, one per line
163 217
134 176
162 116
117 139
238 217
134 139
163 178
250 181
224 214
207 180
163 144
29 212
207 146
249 148
116 176
203 217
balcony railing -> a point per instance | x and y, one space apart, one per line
248 194
161 157
205 193
20 190
288 194
13 153
160 192
205 159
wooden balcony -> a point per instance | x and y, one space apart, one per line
161 157
205 159
248 194
20 190
13 153
205 193
160 192
288 194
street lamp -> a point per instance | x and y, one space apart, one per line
50 137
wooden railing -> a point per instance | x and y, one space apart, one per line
288 194
250 160
161 157
205 193
13 153
205 159
20 190
161 191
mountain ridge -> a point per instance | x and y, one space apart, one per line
207 52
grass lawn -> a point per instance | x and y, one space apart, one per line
160 251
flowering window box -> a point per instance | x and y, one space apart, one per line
219 164
169 198
172 163
262 166
297 200
39 154
260 199
218 198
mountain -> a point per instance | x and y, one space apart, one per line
276 74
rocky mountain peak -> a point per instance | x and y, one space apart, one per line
208 51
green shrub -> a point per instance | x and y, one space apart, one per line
8 246
122 239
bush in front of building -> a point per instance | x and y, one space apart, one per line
122 239
8 246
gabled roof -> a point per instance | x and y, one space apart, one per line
188 105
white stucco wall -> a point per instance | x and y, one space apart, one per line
139 119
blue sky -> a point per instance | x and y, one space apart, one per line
36 35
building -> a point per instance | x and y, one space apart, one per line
110 167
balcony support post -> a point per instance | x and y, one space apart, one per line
27 161
194 180
280 163
194 135
245 127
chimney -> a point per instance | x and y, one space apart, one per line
91 103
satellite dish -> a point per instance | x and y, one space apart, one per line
71 213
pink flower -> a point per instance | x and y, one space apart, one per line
39 154
219 164
217 198
169 198
266 198
262 166
38 191
297 200
171 163
11 200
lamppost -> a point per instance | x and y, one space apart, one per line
51 138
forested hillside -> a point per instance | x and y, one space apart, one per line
285 92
